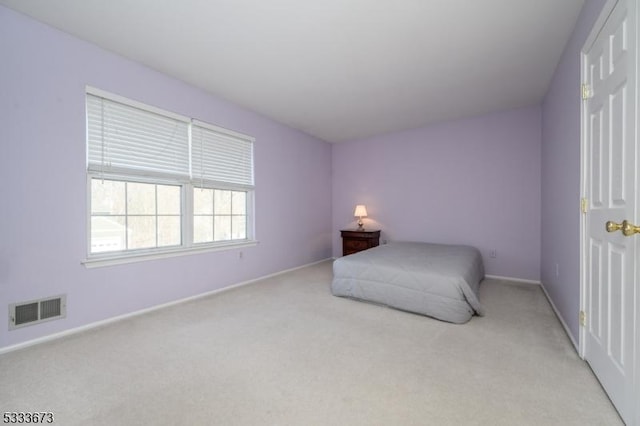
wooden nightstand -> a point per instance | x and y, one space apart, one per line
354 241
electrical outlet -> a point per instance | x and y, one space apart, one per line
493 254
240 255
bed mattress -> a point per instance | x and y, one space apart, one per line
440 281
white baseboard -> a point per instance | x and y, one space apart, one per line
561 319
518 280
101 323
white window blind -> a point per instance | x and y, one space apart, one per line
123 138
221 156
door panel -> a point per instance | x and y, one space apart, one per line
609 122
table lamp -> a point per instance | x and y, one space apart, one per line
361 211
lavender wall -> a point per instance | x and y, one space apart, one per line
43 74
561 176
474 181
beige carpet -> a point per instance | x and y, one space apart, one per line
283 351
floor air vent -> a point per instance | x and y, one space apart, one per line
37 311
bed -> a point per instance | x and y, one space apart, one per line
436 280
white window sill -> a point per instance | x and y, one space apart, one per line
122 258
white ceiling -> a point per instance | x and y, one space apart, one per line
337 69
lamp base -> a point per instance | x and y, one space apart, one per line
360 226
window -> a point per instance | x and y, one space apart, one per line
132 215
160 182
219 215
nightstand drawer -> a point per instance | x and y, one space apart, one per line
356 240
356 245
357 234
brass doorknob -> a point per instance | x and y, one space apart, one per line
613 227
628 229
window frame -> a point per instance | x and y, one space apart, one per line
187 186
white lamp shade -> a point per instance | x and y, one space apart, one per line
361 211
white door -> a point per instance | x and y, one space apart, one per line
609 256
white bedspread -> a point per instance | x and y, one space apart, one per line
437 280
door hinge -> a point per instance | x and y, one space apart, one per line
586 91
584 205
582 317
